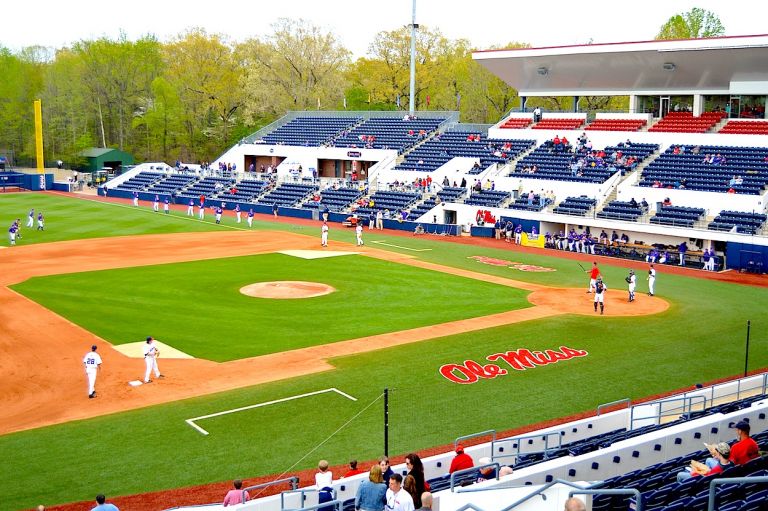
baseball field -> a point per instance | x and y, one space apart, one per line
256 386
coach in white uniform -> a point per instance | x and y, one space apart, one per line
92 362
324 235
359 233
651 280
150 359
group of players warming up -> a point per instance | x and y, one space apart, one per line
598 287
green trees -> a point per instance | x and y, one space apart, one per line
694 24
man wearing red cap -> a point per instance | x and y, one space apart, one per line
461 460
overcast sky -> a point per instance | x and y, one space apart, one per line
58 23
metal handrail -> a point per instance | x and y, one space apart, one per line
617 402
457 473
732 480
294 480
337 504
303 492
460 439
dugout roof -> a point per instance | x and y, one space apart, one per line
722 65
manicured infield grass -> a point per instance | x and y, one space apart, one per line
700 338
197 308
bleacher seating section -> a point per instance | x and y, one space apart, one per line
389 200
389 133
336 199
685 122
746 127
745 223
310 131
678 216
208 187
172 184
246 191
661 491
451 193
141 181
621 210
516 123
688 169
551 123
288 194
578 206
439 150
616 125
556 166
488 198
524 204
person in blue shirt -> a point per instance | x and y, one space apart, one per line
102 505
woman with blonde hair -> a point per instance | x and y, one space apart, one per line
372 494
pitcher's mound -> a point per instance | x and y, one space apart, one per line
286 289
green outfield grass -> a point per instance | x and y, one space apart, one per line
197 307
700 338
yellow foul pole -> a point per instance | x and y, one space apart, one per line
39 136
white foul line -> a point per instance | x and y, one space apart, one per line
404 248
191 421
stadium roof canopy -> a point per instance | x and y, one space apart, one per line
735 65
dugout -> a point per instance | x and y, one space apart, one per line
98 158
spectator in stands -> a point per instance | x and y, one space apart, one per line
486 473
409 485
371 494
644 204
353 470
446 182
416 470
236 495
633 202
720 453
745 449
397 498
386 470
426 502
102 505
666 202
461 461
575 504
537 114
718 159
323 477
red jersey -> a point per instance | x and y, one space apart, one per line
743 451
460 462
594 273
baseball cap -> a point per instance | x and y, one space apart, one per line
724 449
743 426
459 449
93 348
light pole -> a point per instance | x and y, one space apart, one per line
414 26
746 351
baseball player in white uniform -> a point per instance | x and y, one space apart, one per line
250 218
324 235
359 234
191 208
600 288
150 359
651 280
201 211
31 218
156 204
92 363
237 212
167 206
136 199
632 281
